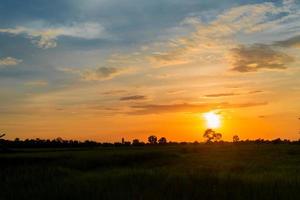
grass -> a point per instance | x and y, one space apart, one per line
226 171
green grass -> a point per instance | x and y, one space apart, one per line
226 171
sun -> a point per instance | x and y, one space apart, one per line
212 120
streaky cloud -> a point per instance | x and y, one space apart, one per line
9 61
46 36
133 98
212 39
291 42
221 94
98 73
113 92
37 83
188 107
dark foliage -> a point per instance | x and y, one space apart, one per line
152 139
211 136
162 140
235 138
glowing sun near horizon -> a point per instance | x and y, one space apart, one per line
212 120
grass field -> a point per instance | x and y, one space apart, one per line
228 171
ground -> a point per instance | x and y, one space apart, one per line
193 171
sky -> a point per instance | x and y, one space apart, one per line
106 69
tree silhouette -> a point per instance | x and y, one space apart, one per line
152 139
235 138
211 135
135 142
1 146
162 140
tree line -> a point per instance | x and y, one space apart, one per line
210 135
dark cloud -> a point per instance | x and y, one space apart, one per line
106 71
100 73
291 42
188 108
255 91
258 56
232 94
221 95
113 92
133 98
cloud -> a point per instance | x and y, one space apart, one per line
37 83
113 92
133 98
9 61
232 94
46 37
102 73
188 108
255 91
221 95
213 38
255 57
291 42
98 74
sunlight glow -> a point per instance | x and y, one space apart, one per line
212 120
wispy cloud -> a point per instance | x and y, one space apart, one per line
133 98
213 39
37 83
221 94
229 94
255 91
9 61
291 42
189 108
113 92
255 57
99 73
46 36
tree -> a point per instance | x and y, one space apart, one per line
152 139
218 136
162 140
211 135
235 138
1 136
135 142
59 140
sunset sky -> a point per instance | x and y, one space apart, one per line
107 69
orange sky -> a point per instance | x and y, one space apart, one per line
134 75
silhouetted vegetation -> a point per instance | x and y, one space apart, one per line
162 140
152 139
211 136
235 138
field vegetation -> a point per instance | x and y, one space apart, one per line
171 171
